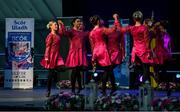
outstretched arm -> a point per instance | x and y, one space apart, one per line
114 27
119 26
62 30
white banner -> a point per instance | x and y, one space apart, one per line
19 59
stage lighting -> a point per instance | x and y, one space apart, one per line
177 76
95 74
141 78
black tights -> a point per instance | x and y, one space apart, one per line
51 75
165 76
108 73
76 75
145 67
146 73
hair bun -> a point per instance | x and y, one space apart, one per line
94 19
48 26
137 15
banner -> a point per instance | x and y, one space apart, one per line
19 58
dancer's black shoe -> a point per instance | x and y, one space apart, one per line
79 90
48 93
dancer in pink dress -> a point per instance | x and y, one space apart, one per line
116 47
99 49
77 56
141 52
52 58
116 51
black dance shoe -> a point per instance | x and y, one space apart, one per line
73 91
79 90
48 93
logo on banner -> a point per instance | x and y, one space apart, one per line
19 50
19 46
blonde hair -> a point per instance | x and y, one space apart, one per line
50 24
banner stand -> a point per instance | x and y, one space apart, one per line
19 57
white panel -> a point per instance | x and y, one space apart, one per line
42 9
2 14
38 9
56 6
29 9
5 9
14 7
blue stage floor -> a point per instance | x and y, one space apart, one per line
35 99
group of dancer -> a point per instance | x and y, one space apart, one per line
107 47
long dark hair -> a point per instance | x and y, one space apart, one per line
74 19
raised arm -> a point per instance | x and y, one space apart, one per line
62 28
63 31
114 27
119 26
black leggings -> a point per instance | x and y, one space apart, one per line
76 75
146 72
51 75
145 67
165 76
108 73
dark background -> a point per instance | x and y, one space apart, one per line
163 10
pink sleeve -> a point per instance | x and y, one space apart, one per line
91 43
62 29
124 29
122 43
49 41
107 31
68 33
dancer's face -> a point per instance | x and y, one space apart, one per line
77 23
54 26
81 27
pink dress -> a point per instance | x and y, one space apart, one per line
140 48
52 52
141 44
162 49
114 47
77 56
98 45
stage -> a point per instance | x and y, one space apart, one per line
35 99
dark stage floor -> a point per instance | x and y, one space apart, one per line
35 99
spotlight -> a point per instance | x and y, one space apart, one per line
95 74
177 76
141 78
